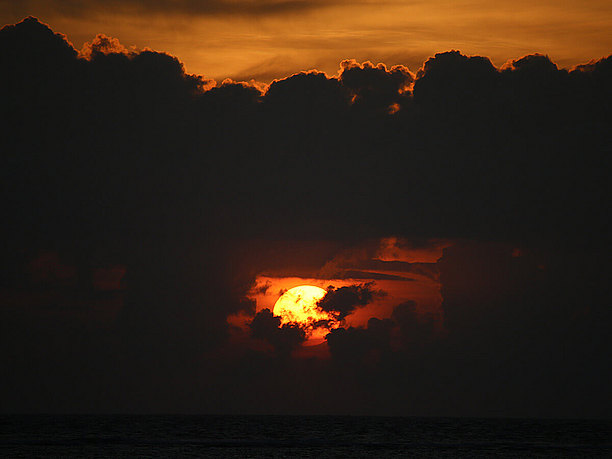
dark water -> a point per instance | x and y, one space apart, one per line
297 436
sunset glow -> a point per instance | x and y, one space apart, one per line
299 305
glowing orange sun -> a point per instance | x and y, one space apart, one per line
299 305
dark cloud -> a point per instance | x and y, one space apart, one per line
356 346
404 334
30 45
374 87
342 301
344 268
416 329
121 159
515 331
524 316
354 274
263 288
429 270
284 338
364 260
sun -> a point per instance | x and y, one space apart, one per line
299 305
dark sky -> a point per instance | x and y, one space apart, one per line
142 203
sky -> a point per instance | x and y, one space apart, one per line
267 39
165 185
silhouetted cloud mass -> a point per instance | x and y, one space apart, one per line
355 345
284 338
342 301
116 161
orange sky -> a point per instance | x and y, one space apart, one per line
422 287
264 39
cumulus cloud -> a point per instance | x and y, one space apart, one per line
342 301
124 159
404 333
102 44
355 345
415 329
285 338
374 87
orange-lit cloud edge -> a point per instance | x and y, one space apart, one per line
268 39
104 44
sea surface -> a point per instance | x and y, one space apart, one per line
299 436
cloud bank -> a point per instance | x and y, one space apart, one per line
117 161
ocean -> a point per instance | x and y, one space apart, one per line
298 436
